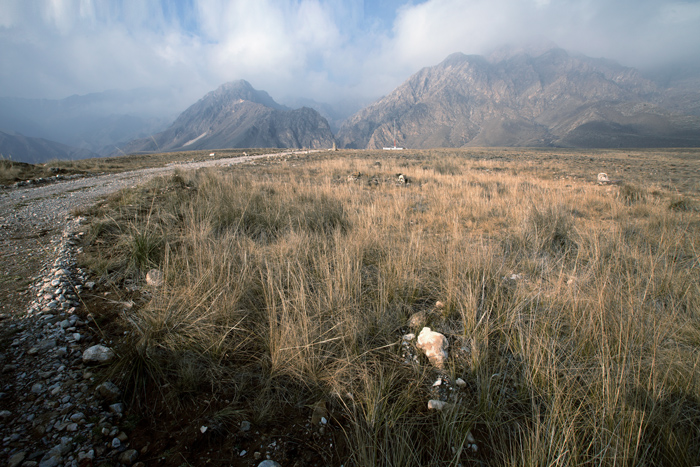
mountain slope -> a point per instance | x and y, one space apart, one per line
553 99
237 116
22 148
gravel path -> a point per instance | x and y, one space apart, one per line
52 410
46 207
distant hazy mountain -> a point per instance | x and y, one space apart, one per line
335 113
549 99
22 148
237 116
95 122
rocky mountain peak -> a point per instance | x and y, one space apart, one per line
235 115
242 90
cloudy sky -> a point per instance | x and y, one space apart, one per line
322 49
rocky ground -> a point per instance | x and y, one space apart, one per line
54 410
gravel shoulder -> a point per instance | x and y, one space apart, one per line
52 411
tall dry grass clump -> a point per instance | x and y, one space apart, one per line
572 312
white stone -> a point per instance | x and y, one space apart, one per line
98 354
460 382
436 405
154 278
434 345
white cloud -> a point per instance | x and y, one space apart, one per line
635 32
325 49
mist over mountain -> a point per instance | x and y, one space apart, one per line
335 113
16 146
520 99
94 122
237 116
680 85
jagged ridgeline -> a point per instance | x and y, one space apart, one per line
548 99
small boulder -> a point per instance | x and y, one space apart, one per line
108 391
604 180
436 405
98 354
154 278
129 456
434 345
16 459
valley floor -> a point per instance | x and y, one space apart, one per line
294 288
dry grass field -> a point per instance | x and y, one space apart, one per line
572 310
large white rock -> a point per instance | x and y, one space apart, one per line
98 354
434 345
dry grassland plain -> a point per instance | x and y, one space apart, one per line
572 310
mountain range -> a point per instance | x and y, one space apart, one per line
551 98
